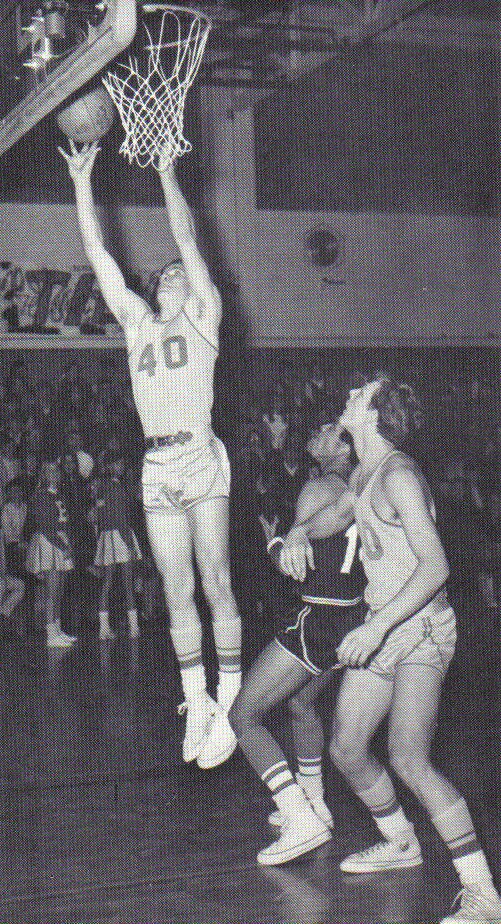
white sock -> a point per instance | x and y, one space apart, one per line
473 870
311 784
291 800
133 621
193 681
229 684
396 827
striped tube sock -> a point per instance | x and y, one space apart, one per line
287 795
104 621
187 642
388 815
228 642
455 827
229 683
133 620
193 681
309 777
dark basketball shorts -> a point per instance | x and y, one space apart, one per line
313 633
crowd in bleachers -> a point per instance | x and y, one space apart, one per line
85 424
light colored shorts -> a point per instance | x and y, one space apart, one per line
425 638
197 474
115 549
43 556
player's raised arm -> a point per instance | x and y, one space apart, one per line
183 231
121 301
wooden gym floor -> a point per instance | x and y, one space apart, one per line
102 823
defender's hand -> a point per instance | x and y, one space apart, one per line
80 162
296 554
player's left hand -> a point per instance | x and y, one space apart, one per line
359 644
80 162
296 554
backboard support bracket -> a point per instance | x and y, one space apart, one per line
102 45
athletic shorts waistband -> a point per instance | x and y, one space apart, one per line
330 601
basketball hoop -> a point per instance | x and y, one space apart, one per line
151 105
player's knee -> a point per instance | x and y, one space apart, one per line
179 591
216 583
346 756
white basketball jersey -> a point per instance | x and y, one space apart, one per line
386 555
172 372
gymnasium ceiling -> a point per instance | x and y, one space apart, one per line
256 44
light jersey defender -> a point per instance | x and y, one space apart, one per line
397 659
429 636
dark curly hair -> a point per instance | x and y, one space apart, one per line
400 414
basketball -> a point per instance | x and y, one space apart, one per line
89 117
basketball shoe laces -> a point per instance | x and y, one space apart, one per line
375 849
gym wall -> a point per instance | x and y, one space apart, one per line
393 150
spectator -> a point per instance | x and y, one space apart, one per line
11 588
13 521
117 546
9 463
50 557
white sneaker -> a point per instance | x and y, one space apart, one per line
56 638
475 906
299 835
199 713
277 819
220 742
382 856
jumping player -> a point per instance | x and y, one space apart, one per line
186 473
409 636
301 658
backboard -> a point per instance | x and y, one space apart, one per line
51 48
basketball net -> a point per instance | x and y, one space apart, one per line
151 105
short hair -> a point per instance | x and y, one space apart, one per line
400 413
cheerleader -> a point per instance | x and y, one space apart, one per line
117 545
49 555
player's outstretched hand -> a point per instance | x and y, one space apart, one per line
296 554
80 162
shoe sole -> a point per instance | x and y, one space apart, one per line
218 759
372 868
312 843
